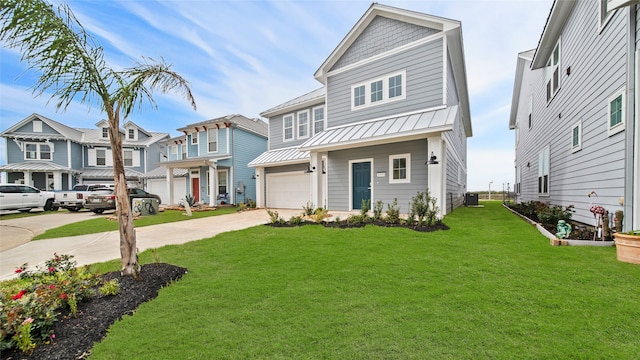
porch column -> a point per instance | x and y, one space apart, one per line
213 182
57 180
169 184
27 178
317 178
436 173
259 171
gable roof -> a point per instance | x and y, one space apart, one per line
131 124
315 97
64 130
523 58
255 126
94 137
558 16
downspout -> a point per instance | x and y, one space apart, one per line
233 164
631 147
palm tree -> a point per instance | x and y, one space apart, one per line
71 66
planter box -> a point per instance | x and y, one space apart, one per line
628 248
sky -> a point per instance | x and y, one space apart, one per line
244 57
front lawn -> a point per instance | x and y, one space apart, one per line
491 287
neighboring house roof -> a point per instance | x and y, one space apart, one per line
385 130
131 124
35 166
281 157
65 131
309 99
255 126
107 173
161 173
194 161
94 137
523 58
552 29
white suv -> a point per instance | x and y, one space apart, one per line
25 197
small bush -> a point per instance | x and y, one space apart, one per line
393 212
364 208
357 219
110 288
318 215
377 211
296 220
550 215
189 199
274 217
423 209
308 209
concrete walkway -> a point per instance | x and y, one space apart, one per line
93 248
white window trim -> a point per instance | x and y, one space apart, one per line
209 141
284 127
173 150
385 91
131 134
38 151
324 118
550 70
305 136
105 134
124 151
105 156
37 126
612 130
605 16
577 147
407 180
541 172
194 138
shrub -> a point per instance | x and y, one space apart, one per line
377 211
296 220
364 209
357 219
318 215
189 199
308 209
274 217
550 215
393 212
110 288
423 209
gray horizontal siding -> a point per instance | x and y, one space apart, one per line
424 84
276 128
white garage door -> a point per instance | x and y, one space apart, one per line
159 187
288 190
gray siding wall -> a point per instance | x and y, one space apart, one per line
246 147
276 129
338 174
14 154
456 167
153 156
424 84
28 128
382 34
76 155
598 70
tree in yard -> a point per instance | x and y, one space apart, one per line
71 65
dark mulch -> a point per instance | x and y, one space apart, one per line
346 225
74 337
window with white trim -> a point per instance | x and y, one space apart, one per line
132 134
37 151
378 91
543 171
287 127
212 139
518 180
173 150
615 112
101 157
105 133
530 111
605 14
222 182
576 136
37 126
553 72
318 119
303 124
128 157
194 138
400 169
184 151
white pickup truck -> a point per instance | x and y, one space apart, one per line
75 199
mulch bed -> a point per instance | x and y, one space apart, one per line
74 337
345 225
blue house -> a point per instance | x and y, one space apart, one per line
391 118
209 162
49 155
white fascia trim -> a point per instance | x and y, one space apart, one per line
435 108
385 90
445 68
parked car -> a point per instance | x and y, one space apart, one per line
24 198
105 199
75 199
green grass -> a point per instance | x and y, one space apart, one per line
103 224
489 288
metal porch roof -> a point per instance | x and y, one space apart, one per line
281 157
38 166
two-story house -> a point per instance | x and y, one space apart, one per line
574 111
209 162
391 119
50 155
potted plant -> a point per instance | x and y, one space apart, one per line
628 246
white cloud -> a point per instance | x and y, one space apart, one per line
486 165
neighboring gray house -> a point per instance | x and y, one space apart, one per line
209 162
394 94
49 155
574 111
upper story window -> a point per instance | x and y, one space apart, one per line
388 88
615 112
400 169
37 126
37 151
303 124
101 157
194 138
173 150
131 134
184 151
553 72
128 157
212 135
543 171
318 119
530 111
605 14
576 137
287 126
105 133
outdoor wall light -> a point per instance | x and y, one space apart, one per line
310 169
255 176
433 160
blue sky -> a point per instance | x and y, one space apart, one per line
248 56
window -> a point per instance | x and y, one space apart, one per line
303 124
222 182
543 172
615 112
287 125
576 137
184 151
318 120
517 185
400 169
131 134
395 86
212 135
553 73
37 151
37 126
376 91
101 157
358 96
530 111
105 133
194 138
128 157
382 90
605 15
173 150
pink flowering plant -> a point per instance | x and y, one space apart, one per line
30 305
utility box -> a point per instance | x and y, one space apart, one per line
471 199
145 206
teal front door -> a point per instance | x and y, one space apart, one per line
361 183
